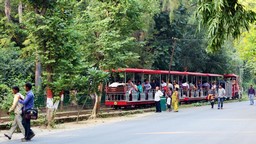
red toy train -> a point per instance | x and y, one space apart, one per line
128 86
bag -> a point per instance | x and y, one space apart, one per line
31 114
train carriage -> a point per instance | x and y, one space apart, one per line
118 93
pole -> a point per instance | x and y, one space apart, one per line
171 58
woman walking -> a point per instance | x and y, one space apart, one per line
175 100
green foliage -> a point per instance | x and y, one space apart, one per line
190 52
108 28
76 40
53 39
5 97
223 18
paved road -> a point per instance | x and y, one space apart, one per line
235 124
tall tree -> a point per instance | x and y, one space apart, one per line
108 28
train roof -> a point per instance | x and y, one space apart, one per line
149 71
230 75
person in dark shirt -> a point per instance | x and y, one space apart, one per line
153 87
251 94
153 84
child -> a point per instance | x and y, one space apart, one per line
211 99
168 102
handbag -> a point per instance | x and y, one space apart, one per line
31 114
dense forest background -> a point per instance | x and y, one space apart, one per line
56 43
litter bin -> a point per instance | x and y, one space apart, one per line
163 103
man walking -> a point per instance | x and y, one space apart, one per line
251 94
28 103
157 99
221 94
16 107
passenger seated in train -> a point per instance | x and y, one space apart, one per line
147 87
192 90
185 88
199 88
140 89
176 85
170 85
206 87
163 86
131 87
153 87
213 88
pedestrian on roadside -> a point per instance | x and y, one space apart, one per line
157 99
28 103
17 108
168 94
168 102
211 99
175 100
221 94
251 95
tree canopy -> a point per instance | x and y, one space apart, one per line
74 41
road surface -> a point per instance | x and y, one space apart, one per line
235 124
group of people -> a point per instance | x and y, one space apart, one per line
220 97
19 106
139 88
171 96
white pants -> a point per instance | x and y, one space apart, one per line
17 122
251 97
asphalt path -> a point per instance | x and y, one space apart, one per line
235 124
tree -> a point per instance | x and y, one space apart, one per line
223 18
107 30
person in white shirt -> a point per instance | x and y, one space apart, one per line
221 94
170 85
158 95
163 85
168 102
16 107
213 88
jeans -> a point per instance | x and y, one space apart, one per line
220 102
251 96
26 124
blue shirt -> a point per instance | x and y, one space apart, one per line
28 102
251 91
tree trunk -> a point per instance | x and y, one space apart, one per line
38 72
96 107
7 9
79 110
20 12
49 93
